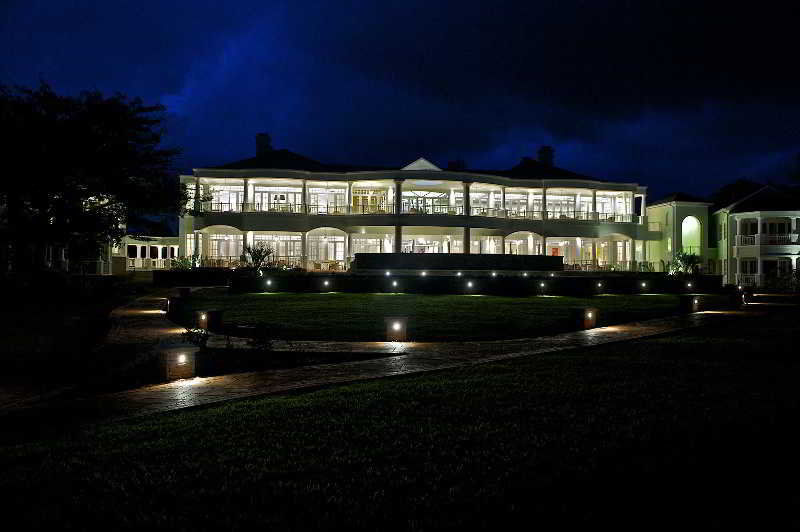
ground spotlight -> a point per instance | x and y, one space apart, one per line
388 273
494 274
424 274
458 274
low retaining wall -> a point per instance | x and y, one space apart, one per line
364 262
501 283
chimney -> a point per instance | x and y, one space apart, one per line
263 144
546 155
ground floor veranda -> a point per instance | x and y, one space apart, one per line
761 271
331 249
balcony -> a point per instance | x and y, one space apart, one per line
766 240
451 210
423 209
748 279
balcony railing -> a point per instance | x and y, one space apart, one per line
221 262
285 208
748 279
488 212
387 208
451 210
328 208
523 214
149 264
766 240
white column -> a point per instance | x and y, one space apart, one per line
245 195
398 238
304 200
530 201
398 205
594 252
197 204
544 204
349 198
303 248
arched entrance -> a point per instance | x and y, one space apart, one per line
327 249
691 236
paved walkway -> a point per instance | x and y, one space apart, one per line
143 323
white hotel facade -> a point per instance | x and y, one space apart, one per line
318 217
319 220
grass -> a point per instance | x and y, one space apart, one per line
695 429
347 316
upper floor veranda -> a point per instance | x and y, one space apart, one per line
411 193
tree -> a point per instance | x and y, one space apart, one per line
259 254
684 263
77 167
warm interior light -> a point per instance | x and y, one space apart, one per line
181 359
202 316
396 326
589 315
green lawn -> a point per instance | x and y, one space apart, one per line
346 316
694 429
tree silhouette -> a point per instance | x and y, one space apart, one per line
76 167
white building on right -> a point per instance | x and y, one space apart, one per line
758 238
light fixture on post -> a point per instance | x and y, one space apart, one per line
388 273
458 274
424 273
494 274
584 318
396 328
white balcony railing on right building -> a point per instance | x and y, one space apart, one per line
763 239
748 279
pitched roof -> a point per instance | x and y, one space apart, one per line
769 198
679 196
527 168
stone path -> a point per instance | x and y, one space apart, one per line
143 323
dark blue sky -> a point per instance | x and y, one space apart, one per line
676 95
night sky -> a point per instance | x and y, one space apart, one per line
671 94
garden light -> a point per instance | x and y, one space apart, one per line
688 285
396 329
458 274
424 274
525 274
202 316
388 273
325 283
599 285
589 315
181 359
696 301
269 282
469 284
541 285
552 274
644 285
394 283
494 274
